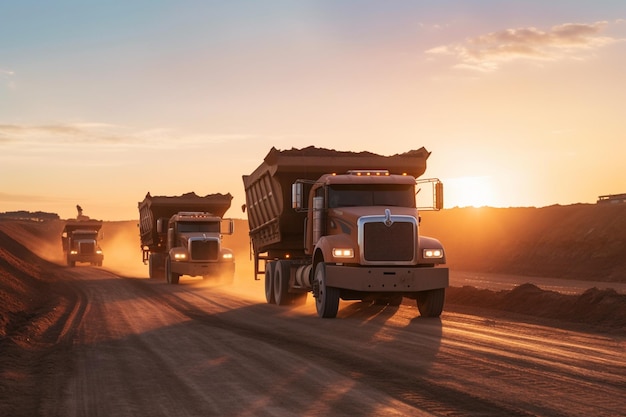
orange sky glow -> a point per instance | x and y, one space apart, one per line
519 103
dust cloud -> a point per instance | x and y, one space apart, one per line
122 249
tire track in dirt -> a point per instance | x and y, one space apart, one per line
340 355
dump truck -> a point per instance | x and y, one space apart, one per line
79 239
182 235
344 225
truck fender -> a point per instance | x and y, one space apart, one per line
326 244
426 242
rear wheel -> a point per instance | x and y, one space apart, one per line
327 298
430 303
171 277
156 265
269 282
281 283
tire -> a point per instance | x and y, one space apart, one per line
327 299
281 283
269 282
171 277
156 265
151 266
430 303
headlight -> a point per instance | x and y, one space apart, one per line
433 253
99 252
343 252
227 256
179 254
74 252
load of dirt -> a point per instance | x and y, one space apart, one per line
330 153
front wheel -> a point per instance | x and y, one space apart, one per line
326 298
430 303
171 277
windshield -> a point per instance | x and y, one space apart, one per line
350 195
191 227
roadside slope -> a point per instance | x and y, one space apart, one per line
579 241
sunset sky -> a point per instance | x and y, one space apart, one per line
520 102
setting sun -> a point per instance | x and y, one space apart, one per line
469 191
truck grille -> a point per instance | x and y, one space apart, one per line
204 250
382 243
86 248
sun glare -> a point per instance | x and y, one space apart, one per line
468 192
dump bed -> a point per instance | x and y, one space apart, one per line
273 223
153 208
72 225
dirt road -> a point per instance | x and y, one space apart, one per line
134 346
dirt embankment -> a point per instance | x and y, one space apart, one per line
580 241
577 241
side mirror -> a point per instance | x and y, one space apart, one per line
229 226
297 190
161 225
439 195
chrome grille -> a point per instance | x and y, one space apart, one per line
204 250
388 243
86 248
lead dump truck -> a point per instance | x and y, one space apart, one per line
344 225
182 235
80 241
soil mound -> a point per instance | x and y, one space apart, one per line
598 308
579 241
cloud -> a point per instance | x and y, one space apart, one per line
488 52
7 75
105 136
12 198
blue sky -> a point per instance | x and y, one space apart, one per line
101 102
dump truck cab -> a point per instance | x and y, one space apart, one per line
338 200
194 246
